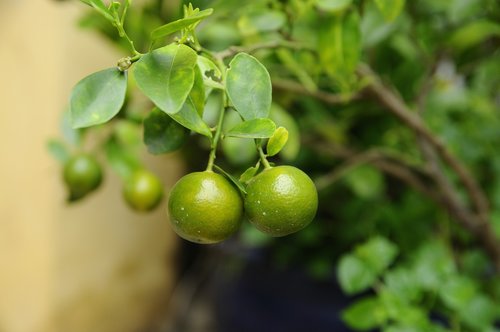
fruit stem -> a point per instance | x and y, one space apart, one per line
218 131
263 158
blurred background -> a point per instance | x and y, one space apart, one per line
390 249
92 266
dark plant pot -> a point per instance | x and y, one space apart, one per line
262 298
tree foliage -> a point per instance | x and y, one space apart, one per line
391 106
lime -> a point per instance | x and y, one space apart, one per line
204 207
281 200
82 174
143 191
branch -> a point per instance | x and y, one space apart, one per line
326 97
475 222
396 106
388 164
233 50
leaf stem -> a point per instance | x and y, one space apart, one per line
215 141
263 158
123 34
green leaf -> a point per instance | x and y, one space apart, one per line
333 5
457 292
249 173
480 313
434 263
212 75
473 34
100 7
238 151
355 275
402 311
234 180
127 133
256 128
378 253
180 24
71 135
365 181
390 9
197 95
162 134
166 76
401 282
340 46
283 119
190 115
98 98
248 86
296 68
277 141
121 159
251 236
365 314
189 118
58 150
359 270
261 20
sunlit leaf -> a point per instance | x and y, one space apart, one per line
277 141
474 33
365 314
180 24
333 5
166 76
256 128
249 87
390 9
284 119
340 45
355 275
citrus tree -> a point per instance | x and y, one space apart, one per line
391 108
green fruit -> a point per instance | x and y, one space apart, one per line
281 200
204 207
82 174
143 191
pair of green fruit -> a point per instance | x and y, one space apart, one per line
205 207
82 174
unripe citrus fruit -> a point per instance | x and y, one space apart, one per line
281 200
143 191
82 174
204 207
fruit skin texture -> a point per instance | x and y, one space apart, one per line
143 191
82 174
281 200
204 207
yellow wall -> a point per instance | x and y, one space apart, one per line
95 266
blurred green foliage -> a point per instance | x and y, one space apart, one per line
417 268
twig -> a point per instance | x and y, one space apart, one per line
396 106
326 97
476 222
388 164
233 50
